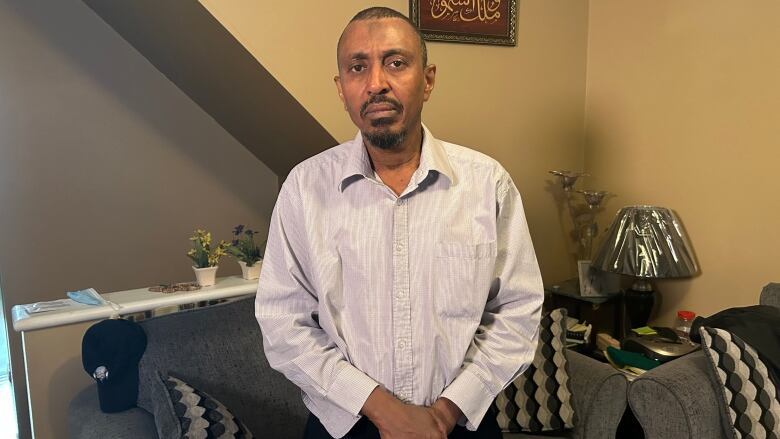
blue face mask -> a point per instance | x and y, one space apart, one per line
88 296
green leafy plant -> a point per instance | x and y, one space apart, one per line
243 246
201 252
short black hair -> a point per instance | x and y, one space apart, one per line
379 12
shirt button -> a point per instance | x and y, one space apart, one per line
399 247
401 345
399 294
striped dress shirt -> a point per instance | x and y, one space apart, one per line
433 293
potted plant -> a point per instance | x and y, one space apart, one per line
248 254
205 258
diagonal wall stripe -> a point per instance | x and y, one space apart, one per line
190 47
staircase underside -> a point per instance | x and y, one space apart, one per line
192 48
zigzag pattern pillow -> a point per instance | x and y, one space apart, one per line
200 415
540 399
751 397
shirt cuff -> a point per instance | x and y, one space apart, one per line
351 389
471 396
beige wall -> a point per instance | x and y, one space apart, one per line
522 105
105 169
682 111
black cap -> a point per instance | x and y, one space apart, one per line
110 352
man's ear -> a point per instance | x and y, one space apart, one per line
429 75
337 81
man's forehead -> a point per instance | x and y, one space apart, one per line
361 36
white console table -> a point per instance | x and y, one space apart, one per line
130 301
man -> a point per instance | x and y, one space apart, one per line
400 290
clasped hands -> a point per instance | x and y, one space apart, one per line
396 420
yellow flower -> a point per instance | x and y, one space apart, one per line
203 238
198 235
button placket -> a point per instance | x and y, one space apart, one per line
403 375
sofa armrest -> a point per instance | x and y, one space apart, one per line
599 396
770 295
678 400
86 421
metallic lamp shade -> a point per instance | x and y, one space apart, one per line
646 242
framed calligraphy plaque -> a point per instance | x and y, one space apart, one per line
466 21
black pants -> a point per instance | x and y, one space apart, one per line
364 429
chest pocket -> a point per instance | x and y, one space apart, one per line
463 276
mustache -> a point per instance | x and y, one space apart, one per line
377 99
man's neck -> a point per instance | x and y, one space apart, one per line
396 166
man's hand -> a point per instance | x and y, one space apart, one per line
446 414
396 420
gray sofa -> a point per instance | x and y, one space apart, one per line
680 399
218 349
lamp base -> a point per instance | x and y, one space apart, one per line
639 303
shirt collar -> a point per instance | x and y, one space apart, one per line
357 162
432 158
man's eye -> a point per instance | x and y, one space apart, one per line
397 63
357 68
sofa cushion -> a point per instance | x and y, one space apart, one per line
540 399
195 414
219 349
750 396
87 421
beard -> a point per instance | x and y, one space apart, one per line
382 136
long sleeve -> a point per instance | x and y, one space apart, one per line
286 308
505 341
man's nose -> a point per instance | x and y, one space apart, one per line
377 82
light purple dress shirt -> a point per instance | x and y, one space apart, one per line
434 293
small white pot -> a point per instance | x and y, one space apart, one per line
206 277
250 273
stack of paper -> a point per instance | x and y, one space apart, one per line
576 332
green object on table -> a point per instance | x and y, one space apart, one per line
645 330
626 358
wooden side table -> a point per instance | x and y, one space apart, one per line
605 313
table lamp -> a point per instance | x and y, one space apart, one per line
645 242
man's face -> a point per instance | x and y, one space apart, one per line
381 80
